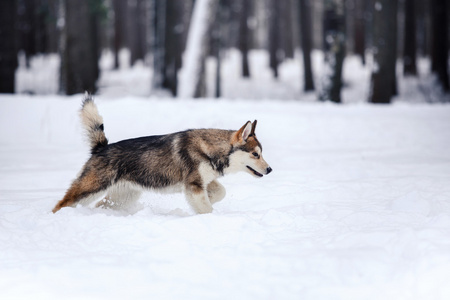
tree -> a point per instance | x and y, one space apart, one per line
135 30
360 29
334 48
119 8
192 75
158 47
440 49
174 44
275 51
244 36
218 40
409 52
384 40
305 28
8 51
79 50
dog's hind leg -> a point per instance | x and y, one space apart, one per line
87 187
216 191
121 196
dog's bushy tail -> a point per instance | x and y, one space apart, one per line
93 124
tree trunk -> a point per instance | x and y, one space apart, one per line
120 8
135 25
244 37
409 51
159 13
305 27
8 51
26 28
334 44
192 75
393 36
285 28
383 79
274 37
440 49
360 29
217 43
173 44
79 67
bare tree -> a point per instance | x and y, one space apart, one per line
306 40
334 48
384 40
275 51
244 36
79 50
135 30
120 9
440 48
360 29
8 51
409 48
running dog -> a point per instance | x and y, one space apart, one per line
188 161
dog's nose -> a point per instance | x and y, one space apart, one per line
268 170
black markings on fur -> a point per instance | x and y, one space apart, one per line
99 146
197 184
184 152
219 163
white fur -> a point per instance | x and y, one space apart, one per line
199 201
207 173
90 116
216 191
239 160
247 131
121 195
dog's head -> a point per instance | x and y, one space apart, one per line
247 152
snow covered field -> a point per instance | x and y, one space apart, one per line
357 207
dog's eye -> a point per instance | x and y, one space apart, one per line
255 154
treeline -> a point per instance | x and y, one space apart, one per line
160 32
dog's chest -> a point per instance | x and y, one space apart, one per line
207 172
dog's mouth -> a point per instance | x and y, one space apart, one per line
255 172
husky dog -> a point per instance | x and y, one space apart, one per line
188 161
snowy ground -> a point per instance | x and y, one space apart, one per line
357 207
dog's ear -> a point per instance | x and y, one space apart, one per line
253 127
242 134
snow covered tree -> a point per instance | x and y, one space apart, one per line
306 41
383 81
8 51
192 74
334 48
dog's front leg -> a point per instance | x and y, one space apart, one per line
216 191
197 197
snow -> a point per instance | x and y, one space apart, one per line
357 207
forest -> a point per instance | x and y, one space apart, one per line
352 103
175 38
